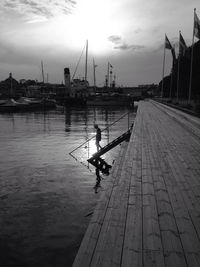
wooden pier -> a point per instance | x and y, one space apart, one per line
149 214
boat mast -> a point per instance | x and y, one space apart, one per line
111 78
114 82
94 67
86 60
108 74
11 85
42 71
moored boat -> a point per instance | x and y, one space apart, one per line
109 100
26 104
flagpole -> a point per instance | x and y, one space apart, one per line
191 65
171 76
178 73
163 71
171 83
178 76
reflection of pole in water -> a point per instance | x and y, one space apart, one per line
128 120
88 151
98 180
86 132
107 125
67 119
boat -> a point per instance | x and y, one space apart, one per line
26 104
35 103
8 105
106 99
77 88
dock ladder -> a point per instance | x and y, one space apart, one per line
99 162
96 159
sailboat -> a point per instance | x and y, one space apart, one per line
79 86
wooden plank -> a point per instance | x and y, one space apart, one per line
88 245
132 247
151 229
110 242
150 215
174 255
188 234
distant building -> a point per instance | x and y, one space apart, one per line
9 87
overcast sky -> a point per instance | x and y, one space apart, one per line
127 33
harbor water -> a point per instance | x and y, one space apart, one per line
47 195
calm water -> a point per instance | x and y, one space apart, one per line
45 194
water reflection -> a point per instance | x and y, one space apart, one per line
44 192
101 166
67 112
84 151
98 181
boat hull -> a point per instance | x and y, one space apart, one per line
14 106
109 103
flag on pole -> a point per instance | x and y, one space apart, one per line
196 26
182 45
169 46
167 43
173 54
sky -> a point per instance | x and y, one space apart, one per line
127 33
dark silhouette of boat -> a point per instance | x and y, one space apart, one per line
26 104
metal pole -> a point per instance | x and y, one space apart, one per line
163 71
86 60
94 73
178 75
191 65
111 78
101 131
128 120
108 74
88 149
42 71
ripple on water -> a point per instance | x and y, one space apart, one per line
45 194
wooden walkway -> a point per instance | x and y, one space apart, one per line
149 214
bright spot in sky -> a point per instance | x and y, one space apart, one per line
90 20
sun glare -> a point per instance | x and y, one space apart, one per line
90 20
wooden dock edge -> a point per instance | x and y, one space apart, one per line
83 258
149 214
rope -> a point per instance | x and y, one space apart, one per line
78 63
101 131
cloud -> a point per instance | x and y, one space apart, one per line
125 46
116 39
32 10
122 45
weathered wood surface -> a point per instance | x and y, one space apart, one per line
150 213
